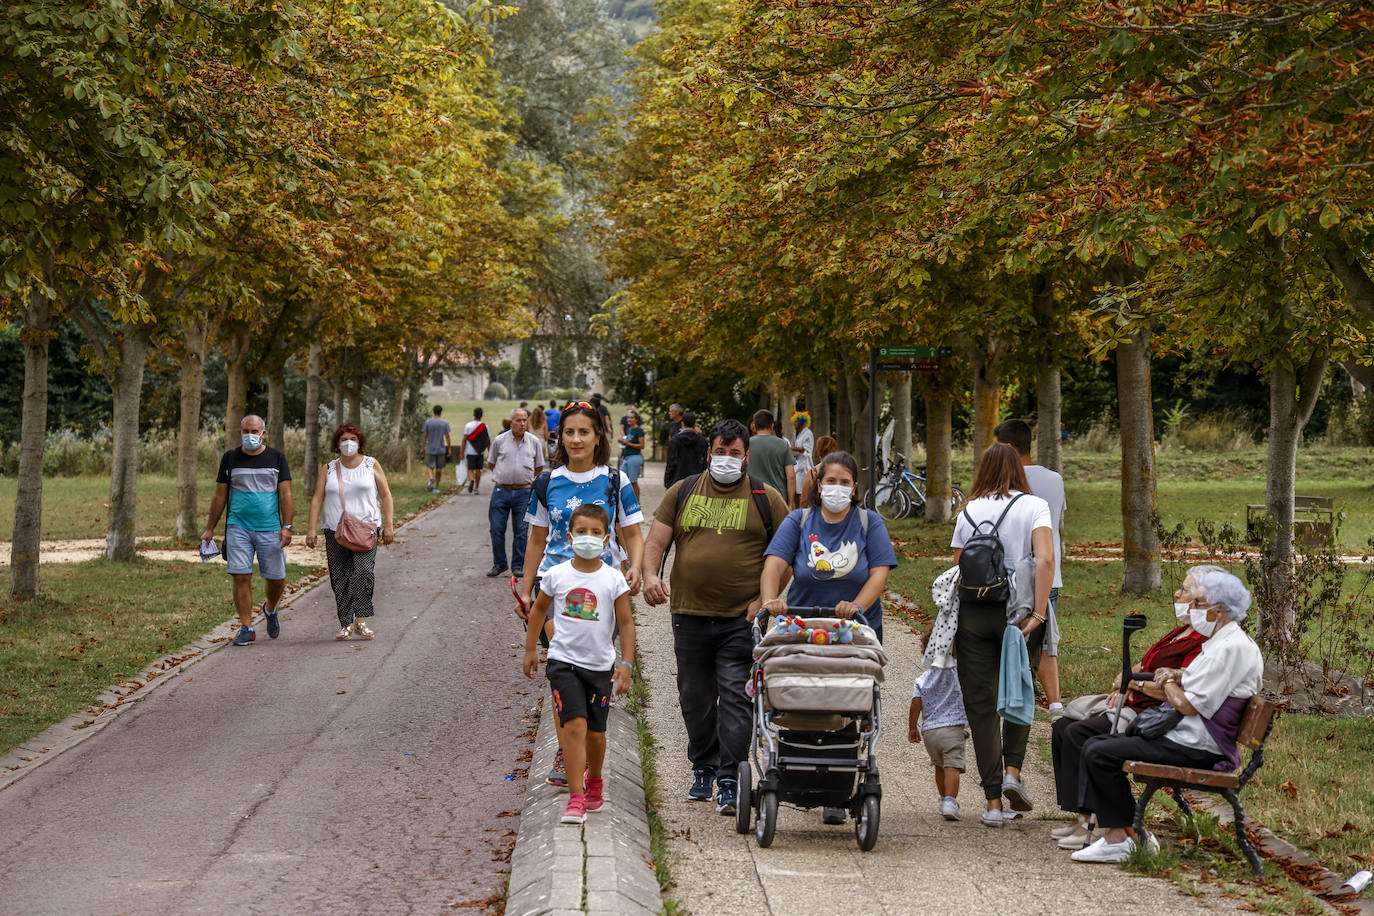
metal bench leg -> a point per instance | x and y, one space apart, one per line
1151 787
1182 803
1244 841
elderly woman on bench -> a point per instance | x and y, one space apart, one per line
1176 649
1209 697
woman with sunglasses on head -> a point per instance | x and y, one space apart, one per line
580 475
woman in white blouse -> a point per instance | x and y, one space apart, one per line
1211 694
367 498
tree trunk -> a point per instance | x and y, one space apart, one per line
276 408
818 405
986 354
355 401
28 502
339 385
786 428
128 393
1289 411
398 408
844 426
312 420
1138 495
901 416
195 339
860 435
939 452
1048 400
236 353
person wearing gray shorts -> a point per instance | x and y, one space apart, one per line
438 446
938 721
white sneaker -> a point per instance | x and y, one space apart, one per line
992 817
949 808
1076 841
1104 852
1073 826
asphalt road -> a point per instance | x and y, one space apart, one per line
303 774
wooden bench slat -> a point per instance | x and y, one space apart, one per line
1186 775
1254 722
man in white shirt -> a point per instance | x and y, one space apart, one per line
1049 486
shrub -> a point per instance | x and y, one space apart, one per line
1352 423
1102 436
496 392
1223 431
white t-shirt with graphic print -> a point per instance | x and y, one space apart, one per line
583 614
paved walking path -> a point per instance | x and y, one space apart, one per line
303 774
922 864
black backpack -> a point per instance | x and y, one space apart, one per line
982 563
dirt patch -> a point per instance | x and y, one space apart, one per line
81 549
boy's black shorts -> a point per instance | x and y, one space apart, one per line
580 693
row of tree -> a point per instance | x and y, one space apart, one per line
1029 183
338 182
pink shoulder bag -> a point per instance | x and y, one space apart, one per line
353 533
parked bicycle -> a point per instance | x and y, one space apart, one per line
902 493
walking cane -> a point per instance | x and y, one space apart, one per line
1129 625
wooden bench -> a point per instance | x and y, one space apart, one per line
1313 521
1255 724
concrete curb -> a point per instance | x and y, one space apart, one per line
110 704
555 867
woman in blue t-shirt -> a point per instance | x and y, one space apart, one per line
632 451
838 558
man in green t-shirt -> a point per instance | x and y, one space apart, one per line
720 536
770 455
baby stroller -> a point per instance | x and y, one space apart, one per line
817 718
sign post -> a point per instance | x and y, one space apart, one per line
872 501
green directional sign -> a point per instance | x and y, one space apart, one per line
892 353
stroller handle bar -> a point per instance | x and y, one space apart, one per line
761 620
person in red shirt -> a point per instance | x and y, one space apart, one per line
1176 649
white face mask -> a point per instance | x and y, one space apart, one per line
251 442
588 546
1197 616
1181 610
836 496
726 469
348 447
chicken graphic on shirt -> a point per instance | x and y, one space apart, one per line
831 564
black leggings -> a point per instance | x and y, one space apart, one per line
978 644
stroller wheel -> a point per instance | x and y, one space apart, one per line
866 823
767 823
744 804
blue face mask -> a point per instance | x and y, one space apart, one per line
588 546
251 442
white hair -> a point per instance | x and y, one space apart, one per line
1220 587
522 410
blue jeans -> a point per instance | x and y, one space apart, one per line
243 543
504 502
632 465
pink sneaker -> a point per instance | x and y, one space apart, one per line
595 799
576 812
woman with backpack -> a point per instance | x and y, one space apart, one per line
580 475
1000 529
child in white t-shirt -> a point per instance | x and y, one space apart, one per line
588 599
937 718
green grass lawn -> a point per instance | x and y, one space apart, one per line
75 507
97 623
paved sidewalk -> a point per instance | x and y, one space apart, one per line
921 864
303 774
